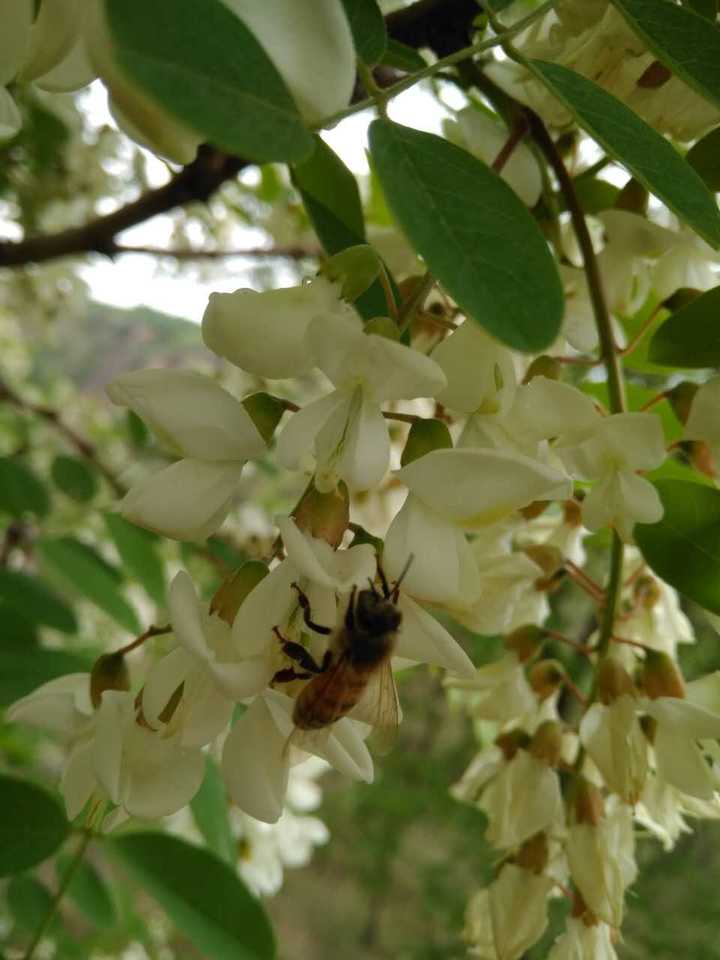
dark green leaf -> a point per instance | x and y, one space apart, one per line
684 547
401 57
138 552
704 156
85 571
29 902
331 197
33 599
476 237
25 666
74 477
89 891
202 895
649 157
32 825
691 336
200 61
17 627
210 812
137 431
368 29
706 8
681 38
21 491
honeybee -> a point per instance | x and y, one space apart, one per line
356 673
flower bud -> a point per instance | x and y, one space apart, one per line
525 641
511 742
654 77
649 726
424 437
232 592
324 515
109 672
588 803
681 298
533 855
572 513
661 676
265 412
646 591
613 680
354 268
546 743
543 366
550 560
701 457
545 678
681 398
534 509
633 197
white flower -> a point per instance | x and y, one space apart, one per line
502 691
678 758
602 863
483 767
210 430
617 746
582 942
264 333
688 262
522 800
518 909
611 454
508 596
478 931
343 436
484 136
655 618
144 772
257 754
703 421
295 36
480 371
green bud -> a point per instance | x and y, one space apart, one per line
424 437
681 298
265 412
324 515
109 672
661 676
383 327
525 641
543 366
681 398
633 197
613 680
232 592
355 268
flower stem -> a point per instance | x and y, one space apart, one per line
55 903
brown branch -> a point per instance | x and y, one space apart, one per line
257 253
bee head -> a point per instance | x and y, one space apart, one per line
375 614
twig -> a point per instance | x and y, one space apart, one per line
256 253
517 132
152 631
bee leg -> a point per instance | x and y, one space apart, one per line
304 602
298 653
383 581
288 675
350 612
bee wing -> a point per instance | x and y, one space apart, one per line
380 707
329 690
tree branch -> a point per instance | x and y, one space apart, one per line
256 253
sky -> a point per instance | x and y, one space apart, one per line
133 280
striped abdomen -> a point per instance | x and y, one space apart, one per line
332 695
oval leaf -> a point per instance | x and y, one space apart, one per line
681 38
29 902
85 571
24 667
368 29
649 157
691 336
200 61
202 895
704 157
21 491
684 547
476 237
74 478
89 891
138 552
210 812
35 601
32 825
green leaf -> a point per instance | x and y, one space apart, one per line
649 157
476 237
210 811
691 336
201 895
402 57
33 599
138 552
706 8
682 39
32 825
704 156
368 29
25 666
21 491
82 569
200 61
74 478
684 547
89 891
29 902
331 197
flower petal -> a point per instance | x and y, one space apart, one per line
480 371
424 640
